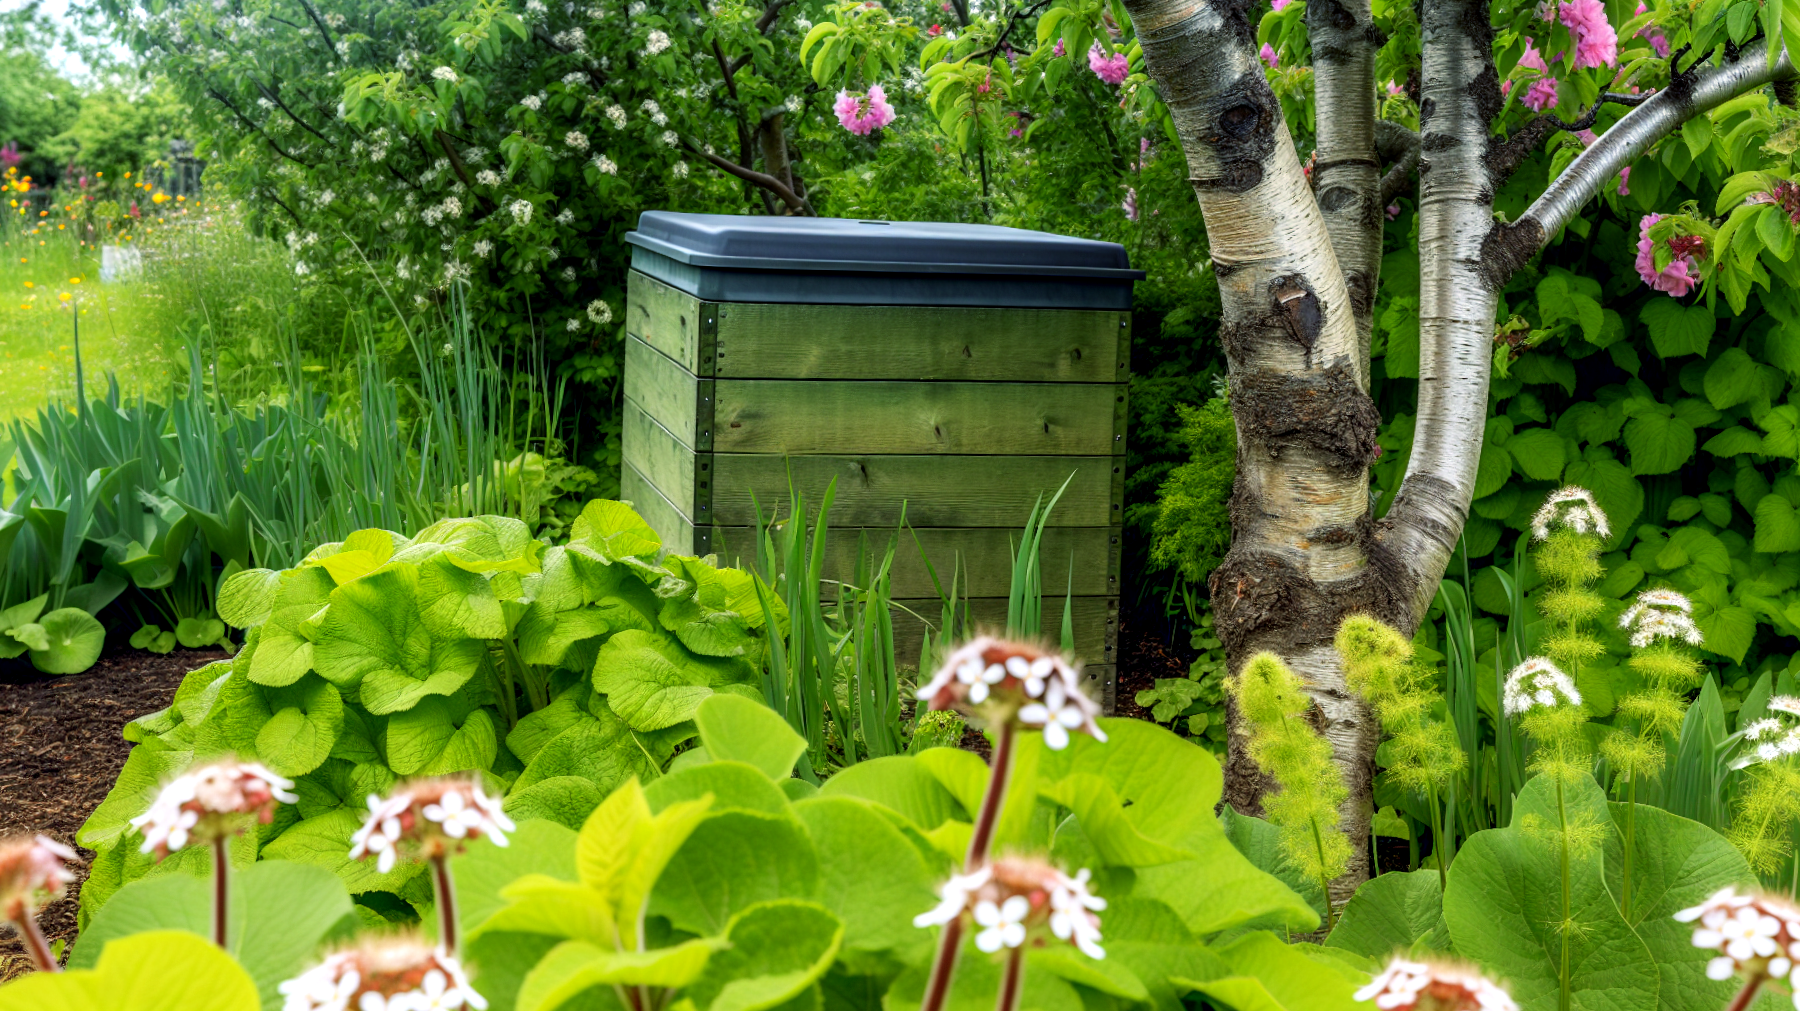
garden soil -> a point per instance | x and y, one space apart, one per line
60 750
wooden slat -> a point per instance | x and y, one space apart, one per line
668 393
1095 620
665 318
985 553
757 341
662 459
798 416
663 516
939 491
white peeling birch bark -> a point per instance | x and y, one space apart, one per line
1306 427
1346 174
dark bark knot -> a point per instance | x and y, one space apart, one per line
1262 600
1294 305
1243 135
1325 411
1484 91
1507 248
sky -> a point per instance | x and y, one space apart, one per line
69 63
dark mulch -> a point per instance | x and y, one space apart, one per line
1145 654
60 750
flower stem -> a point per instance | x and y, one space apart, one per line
1013 983
943 964
221 849
26 921
1747 994
446 903
1562 814
1437 836
1630 832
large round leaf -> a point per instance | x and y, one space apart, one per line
374 638
163 970
653 682
72 641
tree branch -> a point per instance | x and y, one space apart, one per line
253 128
1346 176
324 32
795 201
1688 95
764 22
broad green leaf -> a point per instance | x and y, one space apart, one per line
1734 441
541 904
600 748
375 639
1676 329
870 876
1505 902
734 728
1731 379
545 635
1260 843
566 800
1658 444
139 781
731 861
1108 976
1390 913
198 633
248 597
574 966
1619 493
1297 982
614 530
1537 453
161 970
775 950
294 727
1102 815
456 603
1777 528
729 784
71 641
652 682
975 985
358 554
481 871
440 736
1148 938
1676 863
284 652
903 785
623 849
325 842
280 913
536 729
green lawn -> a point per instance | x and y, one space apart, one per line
37 325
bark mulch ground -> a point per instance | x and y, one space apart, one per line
61 749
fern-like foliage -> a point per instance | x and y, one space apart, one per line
1423 753
1193 525
1283 744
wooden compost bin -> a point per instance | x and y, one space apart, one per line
961 369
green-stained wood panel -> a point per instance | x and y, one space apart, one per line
668 319
806 416
985 552
669 394
663 515
676 471
764 341
939 491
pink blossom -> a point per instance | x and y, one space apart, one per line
1546 11
1130 205
1658 41
1541 95
1059 50
1596 43
1393 211
1533 60
1267 53
1624 178
1111 69
1505 88
934 31
1678 278
863 114
1394 89
1587 137
1279 5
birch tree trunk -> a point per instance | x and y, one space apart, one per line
1297 274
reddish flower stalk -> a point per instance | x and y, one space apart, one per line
221 850
446 903
32 871
1013 983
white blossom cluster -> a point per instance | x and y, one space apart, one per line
34 868
201 795
1774 737
576 140
679 170
654 111
1537 683
615 114
521 211
605 165
1045 687
600 312
656 42
428 813
1661 614
1752 934
383 976
1570 507
1403 982
1010 896
444 74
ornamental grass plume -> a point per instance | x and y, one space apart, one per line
1283 744
34 871
1757 937
1769 801
1661 630
383 974
431 820
209 804
1433 986
1422 752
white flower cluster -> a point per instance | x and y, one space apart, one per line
600 312
483 247
223 788
534 6
532 102
574 38
794 103
606 165
1537 682
444 74
380 979
1571 507
1400 985
637 7
521 211
428 813
654 111
1661 614
1752 934
1010 896
573 78
566 217
576 139
33 868
616 115
679 170
573 323
488 177
670 138
1775 738
1052 697
656 42
454 271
